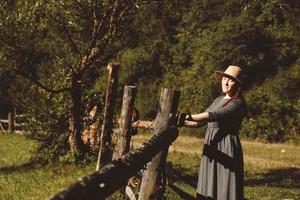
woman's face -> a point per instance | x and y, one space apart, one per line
229 86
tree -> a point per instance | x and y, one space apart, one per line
146 61
72 38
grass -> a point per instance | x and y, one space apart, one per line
272 171
20 179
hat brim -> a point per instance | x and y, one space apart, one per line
219 75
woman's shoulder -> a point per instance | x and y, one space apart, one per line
238 102
219 98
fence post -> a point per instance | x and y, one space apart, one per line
105 150
11 122
125 121
153 181
124 135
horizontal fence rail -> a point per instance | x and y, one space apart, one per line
12 123
6 121
101 184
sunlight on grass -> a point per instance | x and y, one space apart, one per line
271 170
15 150
257 156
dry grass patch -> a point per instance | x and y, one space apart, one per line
257 155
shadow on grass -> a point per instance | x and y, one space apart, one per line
184 195
283 178
24 167
175 173
178 173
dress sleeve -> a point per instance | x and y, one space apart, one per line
234 108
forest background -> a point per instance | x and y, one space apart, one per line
53 57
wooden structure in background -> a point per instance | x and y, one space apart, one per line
11 122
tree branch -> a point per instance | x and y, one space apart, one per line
93 50
109 20
40 84
72 43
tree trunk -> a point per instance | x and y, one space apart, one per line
75 142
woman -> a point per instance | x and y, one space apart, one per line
221 168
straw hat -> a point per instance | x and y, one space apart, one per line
232 72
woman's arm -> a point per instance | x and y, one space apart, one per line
199 117
234 108
196 120
191 124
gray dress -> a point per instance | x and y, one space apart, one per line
221 168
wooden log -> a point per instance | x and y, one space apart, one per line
105 151
153 181
126 119
143 124
11 122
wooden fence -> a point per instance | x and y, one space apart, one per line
112 175
109 178
149 157
13 123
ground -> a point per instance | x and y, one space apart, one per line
272 171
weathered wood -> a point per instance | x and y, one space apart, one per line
143 124
105 151
126 119
102 183
124 137
153 181
2 128
5 121
11 122
91 133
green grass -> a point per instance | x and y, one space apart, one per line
15 150
19 179
272 171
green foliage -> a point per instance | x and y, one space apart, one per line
138 69
176 44
274 107
47 122
58 46
261 37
